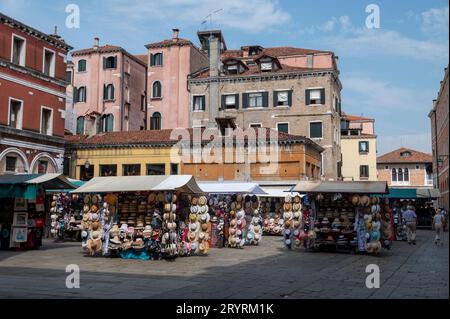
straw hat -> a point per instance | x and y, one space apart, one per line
355 200
202 200
233 223
160 197
239 198
296 206
205 227
201 235
138 244
287 224
287 207
86 200
194 201
95 225
192 236
233 240
193 217
151 198
288 199
193 226
364 200
232 213
94 208
232 231
238 206
167 207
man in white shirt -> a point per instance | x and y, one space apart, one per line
437 226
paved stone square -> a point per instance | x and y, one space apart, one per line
266 271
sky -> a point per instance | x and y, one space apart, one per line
391 73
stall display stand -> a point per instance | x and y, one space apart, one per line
254 221
169 242
272 216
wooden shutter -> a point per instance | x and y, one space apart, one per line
85 94
112 92
105 93
367 170
222 103
152 59
265 99
104 63
109 123
115 62
308 97
275 98
236 99
322 96
75 94
244 100
203 103
360 171
290 97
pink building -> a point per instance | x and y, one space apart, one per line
169 64
109 90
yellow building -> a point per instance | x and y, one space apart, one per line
359 148
160 153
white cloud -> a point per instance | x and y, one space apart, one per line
435 20
249 15
381 42
420 142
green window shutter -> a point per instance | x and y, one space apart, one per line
244 100
367 170
85 94
360 171
152 60
222 103
112 92
290 97
104 63
236 98
275 98
109 123
322 96
203 102
75 95
308 97
315 130
105 93
115 62
265 99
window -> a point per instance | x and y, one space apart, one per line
156 59
143 107
156 169
157 90
386 167
86 173
315 96
315 130
400 175
18 50
282 98
131 170
266 66
417 167
259 99
82 66
11 163
230 101
155 121
15 114
406 175
283 127
364 171
80 125
394 175
108 92
364 147
255 125
107 124
46 121
79 95
69 77
42 167
198 103
405 154
173 169
109 62
232 68
49 62
108 170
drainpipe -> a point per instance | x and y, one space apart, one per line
122 83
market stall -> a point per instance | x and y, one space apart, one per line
23 208
235 207
343 217
139 217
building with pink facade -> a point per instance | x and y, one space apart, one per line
169 64
109 90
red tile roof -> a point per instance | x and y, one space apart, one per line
287 51
163 137
351 118
395 157
107 49
169 42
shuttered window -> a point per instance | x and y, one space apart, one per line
315 96
364 171
282 98
315 130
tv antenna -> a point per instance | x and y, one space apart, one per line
209 17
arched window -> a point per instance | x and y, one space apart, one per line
80 125
110 62
157 90
108 93
107 123
400 175
156 59
394 175
80 94
406 175
81 65
155 121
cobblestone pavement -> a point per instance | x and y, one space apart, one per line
266 271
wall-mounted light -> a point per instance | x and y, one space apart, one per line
87 164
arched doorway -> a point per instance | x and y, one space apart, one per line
44 164
13 160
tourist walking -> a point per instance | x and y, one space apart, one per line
438 221
411 222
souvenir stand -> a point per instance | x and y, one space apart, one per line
136 217
272 210
23 208
343 216
236 213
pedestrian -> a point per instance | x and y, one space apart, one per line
438 220
411 222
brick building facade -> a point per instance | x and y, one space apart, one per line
439 140
293 90
32 98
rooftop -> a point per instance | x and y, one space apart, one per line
405 155
107 49
355 118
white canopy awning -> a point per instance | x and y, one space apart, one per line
231 188
278 192
366 187
184 183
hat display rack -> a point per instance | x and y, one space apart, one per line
196 238
65 219
254 232
169 241
237 225
272 211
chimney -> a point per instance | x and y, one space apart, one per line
175 34
96 43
